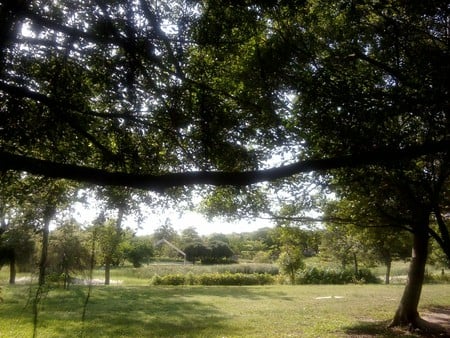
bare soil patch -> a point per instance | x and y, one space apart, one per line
435 315
439 316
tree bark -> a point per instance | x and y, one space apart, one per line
48 215
355 263
12 267
44 252
407 312
107 272
120 215
388 271
9 161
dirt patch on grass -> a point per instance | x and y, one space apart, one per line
369 328
440 316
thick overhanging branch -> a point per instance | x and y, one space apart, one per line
9 161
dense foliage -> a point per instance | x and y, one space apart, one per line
157 95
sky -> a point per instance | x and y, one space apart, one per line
202 225
153 219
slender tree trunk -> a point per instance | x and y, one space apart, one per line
107 271
48 215
44 253
12 267
355 263
121 213
388 271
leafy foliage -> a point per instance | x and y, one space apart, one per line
139 250
68 251
225 278
327 276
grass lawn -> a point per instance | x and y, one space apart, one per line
196 311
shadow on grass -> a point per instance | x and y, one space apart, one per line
145 312
247 292
381 329
152 311
375 329
119 311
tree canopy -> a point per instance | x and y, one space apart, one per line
154 95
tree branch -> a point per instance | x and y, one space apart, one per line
9 161
444 239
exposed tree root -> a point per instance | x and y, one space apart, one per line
419 325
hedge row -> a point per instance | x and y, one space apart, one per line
330 276
307 276
226 278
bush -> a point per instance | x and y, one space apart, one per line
331 276
235 279
175 279
226 278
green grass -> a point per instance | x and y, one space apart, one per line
254 311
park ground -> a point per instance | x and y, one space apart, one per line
216 311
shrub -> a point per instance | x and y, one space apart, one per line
235 279
331 276
175 279
226 278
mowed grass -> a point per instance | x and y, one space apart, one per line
194 311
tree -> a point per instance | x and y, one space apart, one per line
342 243
139 250
165 231
386 245
290 261
189 235
196 251
220 252
17 248
291 243
16 239
121 200
360 95
68 251
353 230
109 241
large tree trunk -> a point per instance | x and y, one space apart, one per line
407 312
